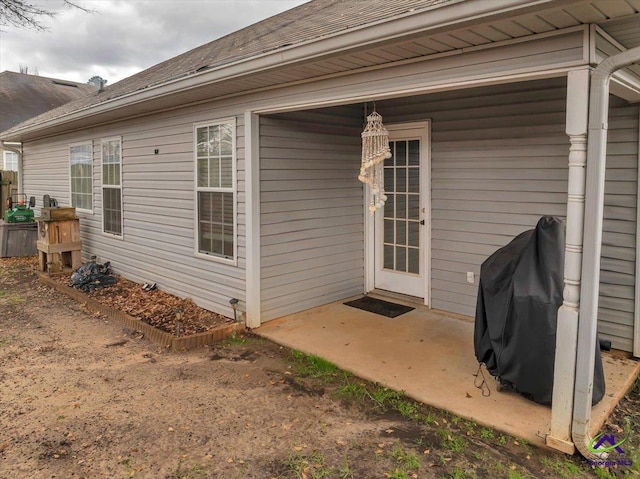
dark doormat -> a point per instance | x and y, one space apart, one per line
378 306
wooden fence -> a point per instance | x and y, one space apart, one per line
8 186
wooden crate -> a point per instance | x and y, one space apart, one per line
58 213
59 245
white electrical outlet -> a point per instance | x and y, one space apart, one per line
471 277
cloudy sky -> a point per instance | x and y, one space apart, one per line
122 37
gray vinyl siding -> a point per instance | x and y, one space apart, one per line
499 162
158 197
311 221
617 271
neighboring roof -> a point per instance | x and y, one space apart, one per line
307 22
25 96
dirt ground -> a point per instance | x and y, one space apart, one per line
80 397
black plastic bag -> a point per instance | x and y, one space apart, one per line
519 294
91 276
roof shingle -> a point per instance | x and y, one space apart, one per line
305 23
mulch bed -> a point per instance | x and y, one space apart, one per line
156 308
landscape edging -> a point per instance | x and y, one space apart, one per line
152 333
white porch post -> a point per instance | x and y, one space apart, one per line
567 329
252 207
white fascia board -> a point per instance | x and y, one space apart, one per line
434 19
626 86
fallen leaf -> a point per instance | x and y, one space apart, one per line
389 431
426 451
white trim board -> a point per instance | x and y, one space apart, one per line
636 315
252 208
425 177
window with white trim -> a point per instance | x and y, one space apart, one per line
81 175
112 186
215 189
10 161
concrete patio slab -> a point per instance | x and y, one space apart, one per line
429 355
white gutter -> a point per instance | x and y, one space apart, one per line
594 206
434 19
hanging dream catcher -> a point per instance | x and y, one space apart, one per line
375 149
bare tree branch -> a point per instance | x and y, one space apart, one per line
22 14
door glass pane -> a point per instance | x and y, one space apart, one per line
401 179
414 261
388 179
414 180
401 206
401 258
388 256
414 153
401 232
401 153
389 206
414 207
388 231
414 233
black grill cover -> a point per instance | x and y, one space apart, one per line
519 294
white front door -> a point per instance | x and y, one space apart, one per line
401 226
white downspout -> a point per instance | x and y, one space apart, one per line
594 206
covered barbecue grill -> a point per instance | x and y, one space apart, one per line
519 295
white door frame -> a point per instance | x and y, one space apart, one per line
369 220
